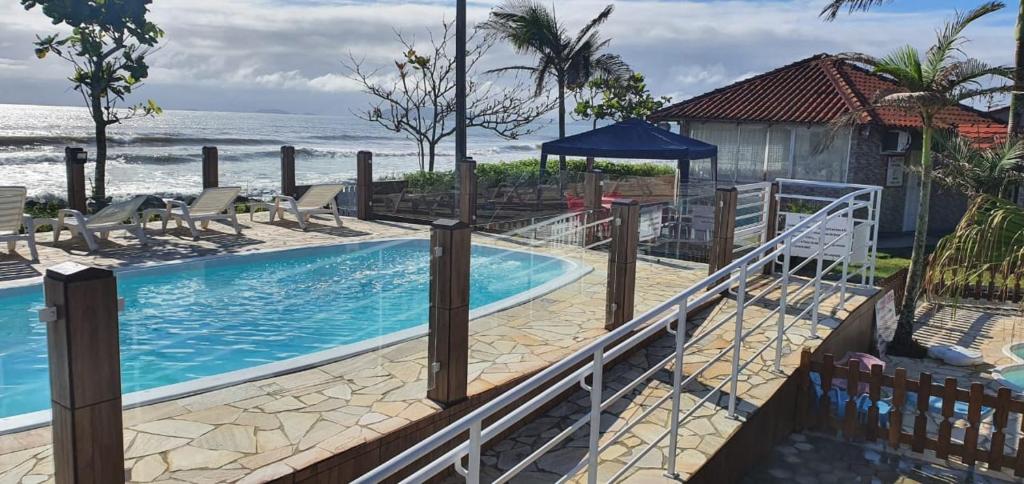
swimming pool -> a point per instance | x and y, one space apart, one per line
202 324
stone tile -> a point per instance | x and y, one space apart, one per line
146 444
174 428
295 424
239 438
148 468
270 440
216 415
189 457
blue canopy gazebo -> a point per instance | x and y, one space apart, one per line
633 139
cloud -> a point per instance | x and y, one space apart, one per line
247 53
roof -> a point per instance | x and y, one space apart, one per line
814 90
633 138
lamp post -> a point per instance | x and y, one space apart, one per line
460 81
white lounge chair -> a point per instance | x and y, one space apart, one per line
12 217
312 202
110 218
212 204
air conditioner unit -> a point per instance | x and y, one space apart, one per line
896 141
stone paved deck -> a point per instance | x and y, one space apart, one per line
263 429
701 435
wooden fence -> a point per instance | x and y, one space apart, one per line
901 433
987 287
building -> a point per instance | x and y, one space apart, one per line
777 125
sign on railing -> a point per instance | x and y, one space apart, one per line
650 221
835 228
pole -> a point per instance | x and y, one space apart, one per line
460 80
85 373
74 160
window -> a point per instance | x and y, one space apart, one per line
753 152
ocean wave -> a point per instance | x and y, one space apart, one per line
28 141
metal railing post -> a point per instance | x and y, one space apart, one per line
817 278
677 380
475 442
594 457
876 204
848 253
783 301
741 296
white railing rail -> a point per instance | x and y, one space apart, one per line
589 360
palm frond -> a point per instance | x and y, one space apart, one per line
950 37
831 11
989 242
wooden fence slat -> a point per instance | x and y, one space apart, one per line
875 392
921 420
995 451
802 418
852 390
973 421
899 398
825 416
946 427
1018 465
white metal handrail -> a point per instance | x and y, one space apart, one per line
589 360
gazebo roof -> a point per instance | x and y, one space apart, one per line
634 138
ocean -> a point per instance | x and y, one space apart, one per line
162 154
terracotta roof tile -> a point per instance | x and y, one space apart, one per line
814 90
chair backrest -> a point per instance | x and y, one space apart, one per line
214 200
116 213
319 195
12 207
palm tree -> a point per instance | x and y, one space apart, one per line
572 61
1015 127
978 171
928 83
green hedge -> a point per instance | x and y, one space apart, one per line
493 174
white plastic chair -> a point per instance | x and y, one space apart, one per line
213 204
312 202
110 218
12 217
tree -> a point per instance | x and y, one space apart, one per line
978 171
940 78
1015 126
533 29
418 97
107 48
621 98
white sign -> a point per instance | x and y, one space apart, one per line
894 172
650 222
885 320
807 245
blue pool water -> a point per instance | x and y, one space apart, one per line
197 319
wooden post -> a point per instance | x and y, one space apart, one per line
467 191
592 195
622 262
590 164
85 373
210 174
448 339
592 192
74 161
725 229
772 222
288 171
364 185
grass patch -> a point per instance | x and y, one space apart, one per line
889 264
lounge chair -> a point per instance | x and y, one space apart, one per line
110 218
310 203
212 204
12 217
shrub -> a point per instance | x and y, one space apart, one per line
528 171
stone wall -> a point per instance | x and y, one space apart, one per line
867 166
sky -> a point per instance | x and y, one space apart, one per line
249 55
